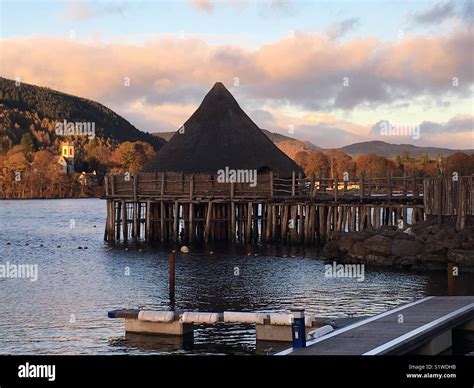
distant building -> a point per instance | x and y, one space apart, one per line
66 160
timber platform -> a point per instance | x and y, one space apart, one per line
423 327
187 208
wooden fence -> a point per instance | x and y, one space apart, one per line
195 186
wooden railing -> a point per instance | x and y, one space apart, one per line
268 186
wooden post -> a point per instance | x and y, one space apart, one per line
106 184
268 221
284 222
148 222
439 199
172 275
413 185
293 184
117 222
232 221
405 185
389 185
175 220
135 187
336 188
311 187
294 226
191 222
112 185
124 221
191 187
162 185
162 221
134 222
208 221
249 222
271 184
361 185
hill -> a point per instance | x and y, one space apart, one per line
287 144
388 150
28 108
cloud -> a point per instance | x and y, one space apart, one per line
461 11
305 73
436 14
81 10
337 30
447 134
308 71
206 6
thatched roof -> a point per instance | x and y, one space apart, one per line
219 134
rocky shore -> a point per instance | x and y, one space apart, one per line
425 245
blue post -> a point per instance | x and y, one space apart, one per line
298 333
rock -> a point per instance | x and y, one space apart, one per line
404 248
409 231
331 250
462 257
378 244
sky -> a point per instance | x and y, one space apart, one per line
333 73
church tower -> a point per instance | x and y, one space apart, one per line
67 154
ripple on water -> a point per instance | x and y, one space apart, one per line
65 310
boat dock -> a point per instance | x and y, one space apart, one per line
269 326
422 327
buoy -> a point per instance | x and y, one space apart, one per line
140 250
126 249
27 244
41 245
184 249
59 246
255 254
79 247
9 243
249 253
211 252
86 248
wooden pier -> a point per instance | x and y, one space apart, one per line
187 208
421 327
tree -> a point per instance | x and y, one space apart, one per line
133 156
313 163
460 163
27 142
339 163
17 162
375 166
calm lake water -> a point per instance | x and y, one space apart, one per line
65 310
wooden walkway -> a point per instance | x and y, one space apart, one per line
403 330
187 208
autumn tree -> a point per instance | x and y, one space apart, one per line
373 165
132 156
460 163
339 163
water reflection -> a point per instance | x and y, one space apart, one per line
65 311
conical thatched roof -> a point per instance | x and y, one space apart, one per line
219 134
